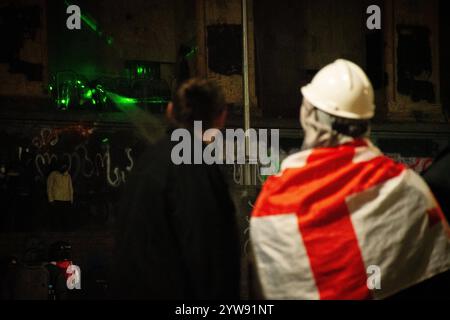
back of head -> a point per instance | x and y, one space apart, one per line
59 251
62 167
59 165
337 106
35 251
197 100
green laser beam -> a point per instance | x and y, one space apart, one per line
148 126
191 53
92 24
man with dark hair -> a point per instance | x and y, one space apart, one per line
198 100
176 233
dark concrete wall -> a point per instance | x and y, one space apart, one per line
149 30
23 57
141 30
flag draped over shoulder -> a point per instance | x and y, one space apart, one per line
333 215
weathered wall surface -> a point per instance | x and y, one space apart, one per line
295 39
99 161
292 41
23 58
223 13
145 31
413 61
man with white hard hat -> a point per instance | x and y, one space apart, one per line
341 220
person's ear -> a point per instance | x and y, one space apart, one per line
221 119
169 111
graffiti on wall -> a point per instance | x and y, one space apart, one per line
99 161
84 159
418 164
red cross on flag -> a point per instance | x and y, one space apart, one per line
332 214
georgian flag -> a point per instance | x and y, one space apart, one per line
319 227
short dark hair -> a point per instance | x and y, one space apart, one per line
198 100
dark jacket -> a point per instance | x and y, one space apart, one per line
438 178
176 232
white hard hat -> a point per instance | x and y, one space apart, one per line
342 89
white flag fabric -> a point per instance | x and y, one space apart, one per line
346 223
